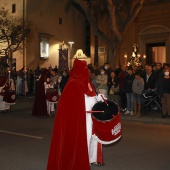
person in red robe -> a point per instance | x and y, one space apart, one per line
40 106
68 149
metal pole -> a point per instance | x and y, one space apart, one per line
24 50
71 45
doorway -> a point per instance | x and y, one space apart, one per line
156 52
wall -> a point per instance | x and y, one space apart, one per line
44 16
151 26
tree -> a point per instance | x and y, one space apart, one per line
13 31
118 16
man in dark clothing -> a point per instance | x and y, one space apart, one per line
108 71
149 79
117 69
122 92
64 80
158 70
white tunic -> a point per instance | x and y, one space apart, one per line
92 143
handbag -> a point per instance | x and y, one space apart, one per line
115 89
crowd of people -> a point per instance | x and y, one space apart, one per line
122 84
125 85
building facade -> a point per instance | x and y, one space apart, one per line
51 29
150 31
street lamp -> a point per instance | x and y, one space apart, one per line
71 44
138 55
125 56
144 57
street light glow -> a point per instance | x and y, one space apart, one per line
71 42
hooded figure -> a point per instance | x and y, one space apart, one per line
40 106
68 149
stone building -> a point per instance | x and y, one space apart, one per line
150 31
51 26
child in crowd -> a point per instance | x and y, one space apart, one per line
127 86
137 87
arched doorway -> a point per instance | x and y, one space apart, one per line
154 41
156 52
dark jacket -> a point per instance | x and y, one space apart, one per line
163 86
150 84
111 83
128 81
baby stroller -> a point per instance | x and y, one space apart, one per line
152 101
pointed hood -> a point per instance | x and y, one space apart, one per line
80 71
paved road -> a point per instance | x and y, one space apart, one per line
25 141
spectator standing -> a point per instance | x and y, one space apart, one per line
101 80
163 88
113 87
158 70
122 92
117 69
108 71
54 79
137 88
128 81
149 78
93 76
64 80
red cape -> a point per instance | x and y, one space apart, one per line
68 149
40 106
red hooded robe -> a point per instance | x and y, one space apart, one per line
40 106
68 149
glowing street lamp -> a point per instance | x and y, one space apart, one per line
144 58
125 56
138 55
71 45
